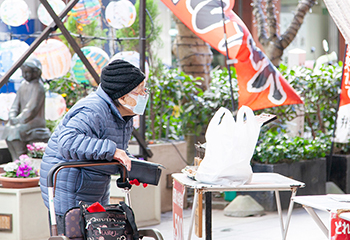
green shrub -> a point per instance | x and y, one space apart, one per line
178 106
277 147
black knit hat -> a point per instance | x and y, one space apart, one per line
119 78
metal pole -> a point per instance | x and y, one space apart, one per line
227 57
142 45
71 41
44 35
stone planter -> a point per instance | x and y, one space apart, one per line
339 171
311 172
23 214
8 182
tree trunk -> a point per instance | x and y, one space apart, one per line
272 43
194 55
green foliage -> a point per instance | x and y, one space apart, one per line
277 147
152 33
92 30
69 89
50 124
199 108
178 105
319 93
168 92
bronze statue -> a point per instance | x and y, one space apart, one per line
26 122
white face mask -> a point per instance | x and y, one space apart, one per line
137 104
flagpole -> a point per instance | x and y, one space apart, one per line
336 117
227 57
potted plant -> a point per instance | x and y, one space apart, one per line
20 174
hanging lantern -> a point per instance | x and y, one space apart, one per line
85 11
97 58
120 14
14 12
55 58
44 16
10 52
132 57
55 106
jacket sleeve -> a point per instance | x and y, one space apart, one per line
79 138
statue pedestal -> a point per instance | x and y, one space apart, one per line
23 214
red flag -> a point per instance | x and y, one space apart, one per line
342 133
261 85
345 86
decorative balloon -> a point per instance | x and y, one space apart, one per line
120 14
132 57
85 11
97 58
55 106
55 58
10 52
44 16
14 12
6 100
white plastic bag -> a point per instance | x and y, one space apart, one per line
230 146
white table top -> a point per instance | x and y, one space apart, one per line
260 182
323 202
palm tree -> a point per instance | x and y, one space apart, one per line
273 43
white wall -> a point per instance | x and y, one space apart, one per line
164 18
312 32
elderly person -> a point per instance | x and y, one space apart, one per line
97 127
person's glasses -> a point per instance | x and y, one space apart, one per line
144 92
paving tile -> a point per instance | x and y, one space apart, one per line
266 227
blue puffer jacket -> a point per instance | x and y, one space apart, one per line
91 130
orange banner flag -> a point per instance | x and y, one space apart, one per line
260 84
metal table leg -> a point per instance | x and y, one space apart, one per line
194 206
284 228
316 218
208 216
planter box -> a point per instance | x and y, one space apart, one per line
30 218
311 172
339 171
168 154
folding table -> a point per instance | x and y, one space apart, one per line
325 203
260 182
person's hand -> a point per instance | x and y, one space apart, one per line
123 158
